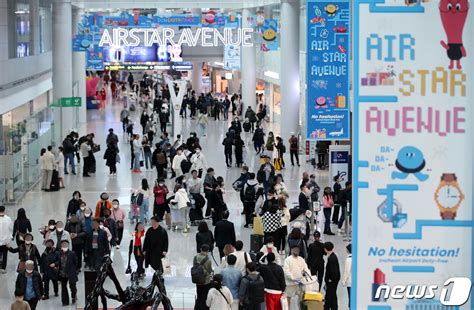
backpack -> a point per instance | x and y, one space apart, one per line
250 193
185 166
256 288
198 273
283 149
246 126
161 159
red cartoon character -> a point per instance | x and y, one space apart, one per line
453 16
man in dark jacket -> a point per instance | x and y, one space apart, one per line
266 174
303 200
69 150
227 143
224 233
78 238
112 139
252 117
98 245
29 281
332 277
155 245
67 273
315 258
49 268
274 278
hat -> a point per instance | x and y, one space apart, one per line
104 196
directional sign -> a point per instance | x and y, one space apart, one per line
69 102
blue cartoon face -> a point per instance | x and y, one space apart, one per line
410 157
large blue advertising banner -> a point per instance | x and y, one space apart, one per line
413 155
328 54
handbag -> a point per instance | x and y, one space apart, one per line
21 267
284 302
257 226
96 148
165 262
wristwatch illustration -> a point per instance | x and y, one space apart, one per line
448 196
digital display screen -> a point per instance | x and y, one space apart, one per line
131 54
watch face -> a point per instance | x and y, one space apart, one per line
448 196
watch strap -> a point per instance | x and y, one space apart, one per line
449 177
448 215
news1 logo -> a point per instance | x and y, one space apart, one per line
454 292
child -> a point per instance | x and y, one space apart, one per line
138 235
19 303
49 267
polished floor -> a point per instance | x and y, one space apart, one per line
41 206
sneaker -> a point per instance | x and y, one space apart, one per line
117 247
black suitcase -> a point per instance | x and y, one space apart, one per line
195 214
54 186
256 243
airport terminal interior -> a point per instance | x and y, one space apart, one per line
249 112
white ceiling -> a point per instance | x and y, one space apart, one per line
178 4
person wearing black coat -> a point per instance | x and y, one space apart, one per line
49 268
224 233
239 149
21 226
74 204
37 284
155 245
227 143
97 245
303 201
111 225
204 236
272 274
332 277
78 238
110 157
315 258
27 251
215 201
67 273
160 167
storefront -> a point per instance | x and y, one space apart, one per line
225 81
23 132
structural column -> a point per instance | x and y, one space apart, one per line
197 66
248 76
4 30
290 67
79 77
62 64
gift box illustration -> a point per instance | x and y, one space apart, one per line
378 78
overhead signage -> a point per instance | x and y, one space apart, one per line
270 35
68 102
413 168
207 37
328 55
183 66
232 57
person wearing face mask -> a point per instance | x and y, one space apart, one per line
102 204
80 212
29 281
198 161
88 229
67 273
108 223
49 268
27 251
118 215
98 245
19 303
160 205
294 268
48 229
60 234
303 198
6 231
176 164
209 181
74 204
78 236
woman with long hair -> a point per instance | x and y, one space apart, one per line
296 238
219 296
138 235
21 226
146 192
328 203
285 220
204 236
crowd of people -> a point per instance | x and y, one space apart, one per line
285 249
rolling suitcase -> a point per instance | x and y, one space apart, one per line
256 243
54 186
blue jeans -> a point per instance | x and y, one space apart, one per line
70 157
136 162
147 159
327 217
144 210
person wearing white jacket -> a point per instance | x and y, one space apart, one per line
219 297
178 207
176 165
198 161
294 268
47 167
6 232
347 276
